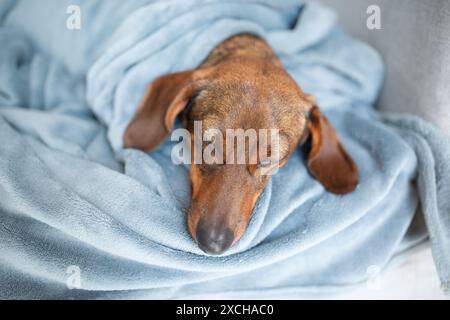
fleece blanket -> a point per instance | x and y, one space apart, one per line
80 217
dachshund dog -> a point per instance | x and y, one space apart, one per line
241 84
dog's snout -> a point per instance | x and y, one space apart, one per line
214 239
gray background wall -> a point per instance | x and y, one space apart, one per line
414 41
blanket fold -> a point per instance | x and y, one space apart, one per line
75 205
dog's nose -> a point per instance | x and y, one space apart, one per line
214 239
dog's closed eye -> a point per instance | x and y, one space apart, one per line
264 163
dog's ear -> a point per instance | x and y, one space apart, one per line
164 99
328 161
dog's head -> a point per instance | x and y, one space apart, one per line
238 94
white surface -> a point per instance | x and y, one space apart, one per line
414 278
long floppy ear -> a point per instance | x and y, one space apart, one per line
164 99
328 161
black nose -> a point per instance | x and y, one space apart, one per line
214 239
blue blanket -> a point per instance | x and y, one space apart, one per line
80 217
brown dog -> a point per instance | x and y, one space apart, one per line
241 84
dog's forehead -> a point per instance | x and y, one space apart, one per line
243 106
247 94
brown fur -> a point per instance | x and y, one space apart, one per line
241 84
